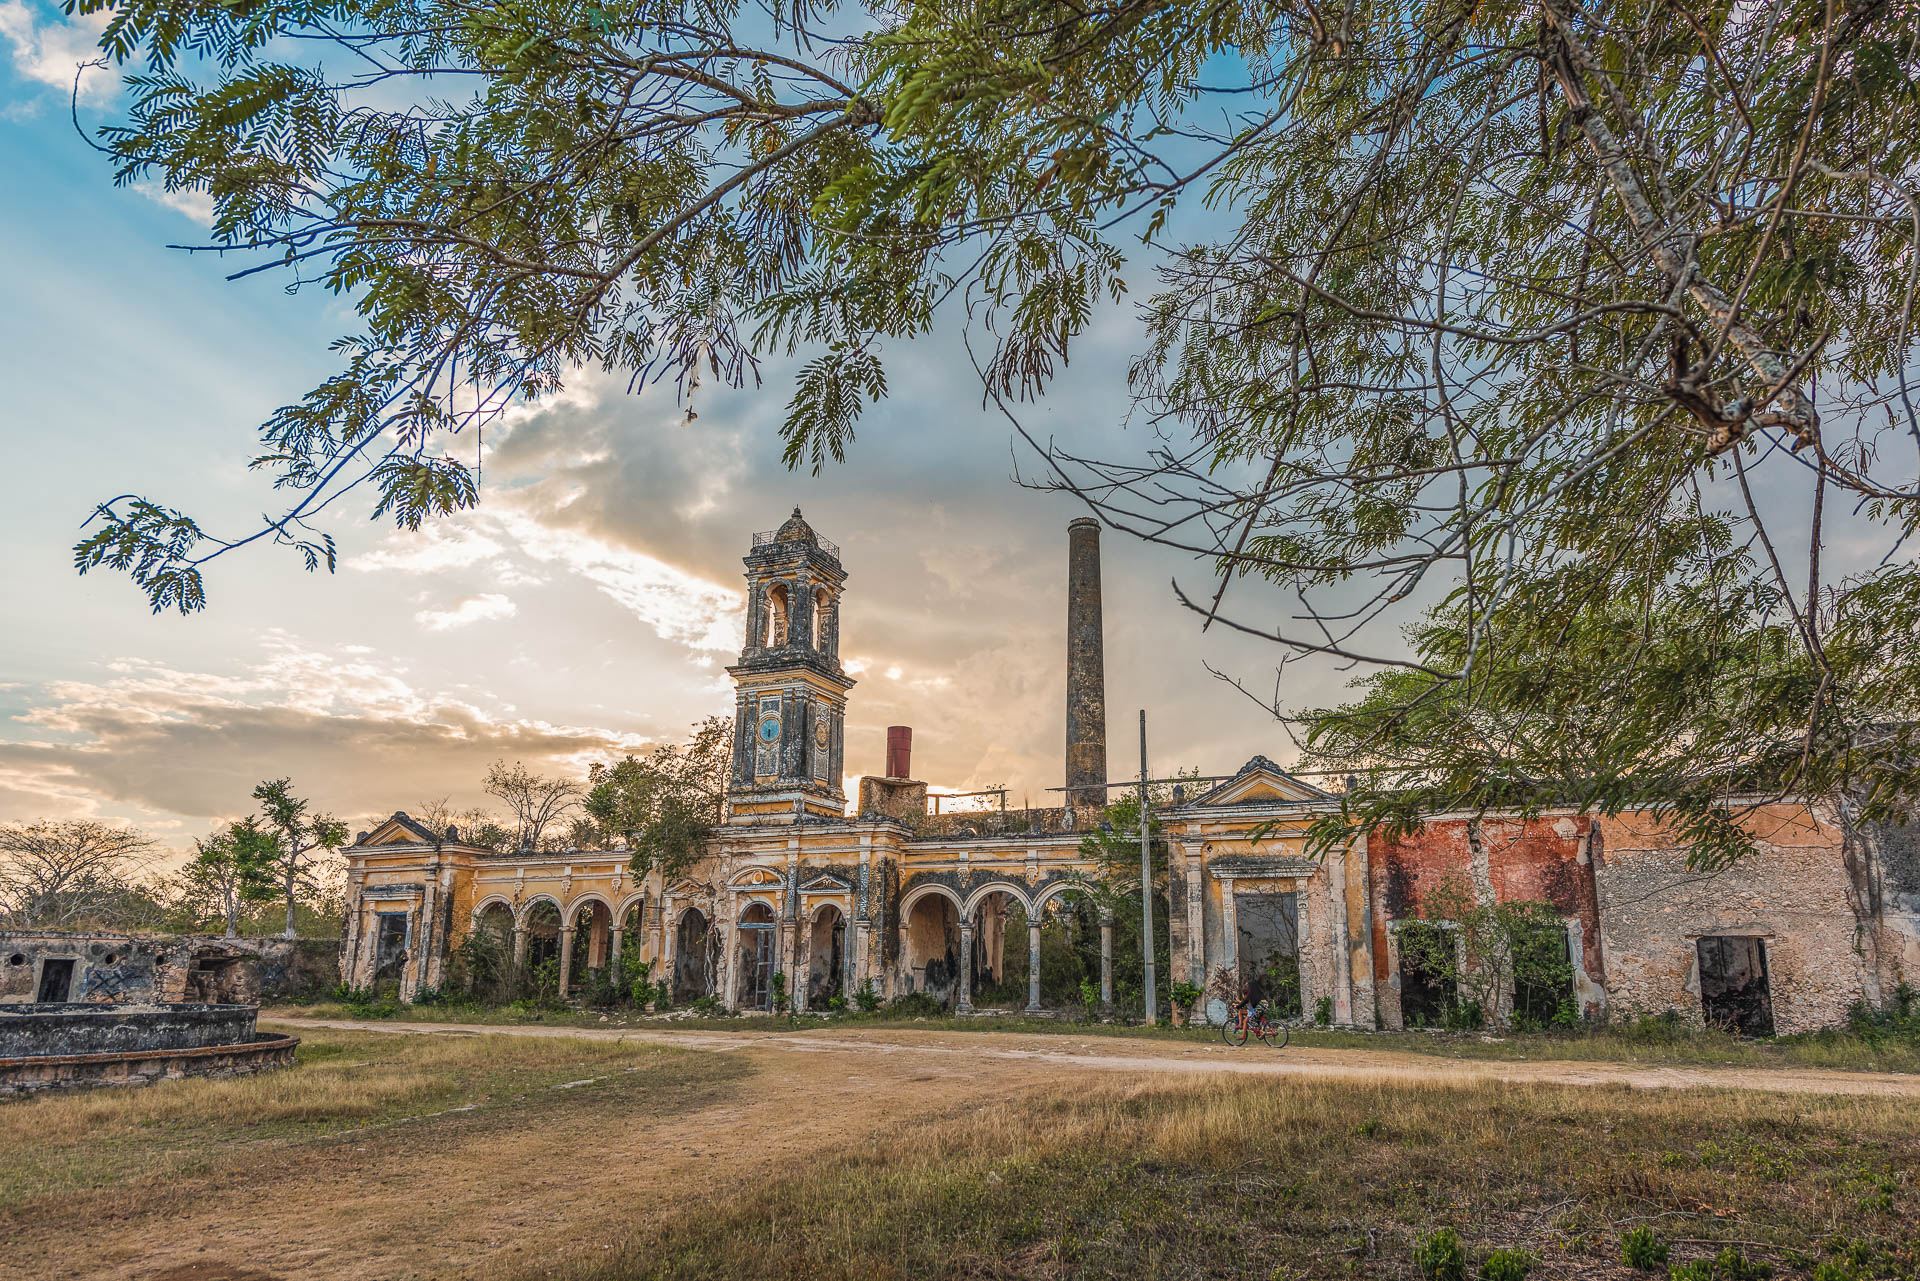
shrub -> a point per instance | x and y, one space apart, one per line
708 1004
866 998
914 1005
1323 1011
1090 998
1441 1257
1731 1265
347 994
1642 1248
1692 1270
1506 1265
837 1003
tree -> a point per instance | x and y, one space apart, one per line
233 867
296 835
59 873
535 802
1515 313
664 804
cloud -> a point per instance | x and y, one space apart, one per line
197 205
472 609
48 49
160 745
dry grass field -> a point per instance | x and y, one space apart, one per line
387 1156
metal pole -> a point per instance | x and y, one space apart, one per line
1146 875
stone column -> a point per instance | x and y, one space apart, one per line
613 953
1033 967
519 947
965 1003
566 957
1106 959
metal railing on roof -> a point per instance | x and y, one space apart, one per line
768 537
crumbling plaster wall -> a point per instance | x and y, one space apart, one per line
1794 893
1544 860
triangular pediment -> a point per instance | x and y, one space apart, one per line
1261 782
401 829
826 884
688 888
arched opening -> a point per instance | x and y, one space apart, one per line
932 950
543 946
692 956
826 623
753 959
999 978
592 940
487 952
826 957
777 614
1069 953
633 938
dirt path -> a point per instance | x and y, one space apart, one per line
465 1196
1057 1056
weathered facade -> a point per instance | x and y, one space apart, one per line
796 885
121 968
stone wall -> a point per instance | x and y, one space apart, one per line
119 1029
1794 895
120 968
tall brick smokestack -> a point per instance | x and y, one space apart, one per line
1086 669
899 751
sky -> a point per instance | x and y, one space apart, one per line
588 607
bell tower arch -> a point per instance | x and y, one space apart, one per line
790 700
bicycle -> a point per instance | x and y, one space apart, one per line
1243 1021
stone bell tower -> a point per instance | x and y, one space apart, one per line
790 706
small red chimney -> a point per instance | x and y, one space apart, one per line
899 751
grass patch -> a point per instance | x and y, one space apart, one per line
346 1084
1651 1041
1240 1177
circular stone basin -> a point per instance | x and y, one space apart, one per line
58 1045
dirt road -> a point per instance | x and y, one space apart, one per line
1059 1055
479 1193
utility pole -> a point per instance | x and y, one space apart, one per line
1146 875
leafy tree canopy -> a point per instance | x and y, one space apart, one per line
664 804
1550 314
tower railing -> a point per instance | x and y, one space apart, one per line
768 537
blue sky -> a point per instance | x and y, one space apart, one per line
589 605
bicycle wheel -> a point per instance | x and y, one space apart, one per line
1234 1030
1275 1035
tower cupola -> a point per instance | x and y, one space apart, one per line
790 688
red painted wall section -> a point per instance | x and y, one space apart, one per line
1543 860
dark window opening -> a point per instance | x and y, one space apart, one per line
755 984
693 956
1428 991
1734 993
1543 979
390 946
56 980
1269 950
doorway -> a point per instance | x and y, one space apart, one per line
1734 993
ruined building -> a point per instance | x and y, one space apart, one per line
833 897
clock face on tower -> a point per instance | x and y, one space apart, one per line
820 735
770 729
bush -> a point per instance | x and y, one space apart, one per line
1642 1248
837 1003
1323 1011
708 1004
866 998
1506 1265
1731 1265
1441 1257
914 1005
1692 1270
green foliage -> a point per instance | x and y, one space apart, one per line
231 869
1481 951
1506 1265
664 804
298 837
781 1002
1642 1249
913 1005
837 1003
1183 994
1692 1270
1732 1265
866 998
1440 1257
1089 999
1323 1011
